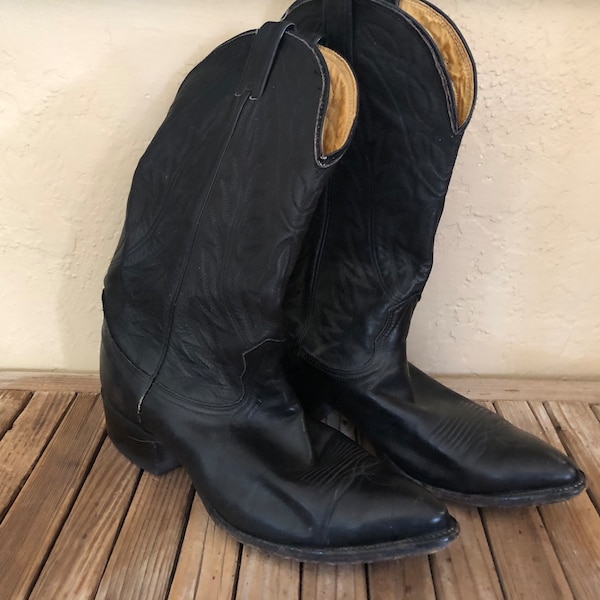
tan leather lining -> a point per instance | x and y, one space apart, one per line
452 50
342 105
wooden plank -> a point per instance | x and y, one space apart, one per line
22 445
51 381
579 431
266 577
497 388
573 526
35 517
11 404
78 558
525 560
333 582
144 554
465 569
207 565
405 579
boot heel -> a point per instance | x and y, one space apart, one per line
136 444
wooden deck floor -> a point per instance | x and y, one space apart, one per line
80 521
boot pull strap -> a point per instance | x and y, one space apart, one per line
261 57
338 26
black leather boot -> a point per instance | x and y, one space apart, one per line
192 339
369 253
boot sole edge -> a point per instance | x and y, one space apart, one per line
537 498
426 544
507 499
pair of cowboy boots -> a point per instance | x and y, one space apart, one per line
277 222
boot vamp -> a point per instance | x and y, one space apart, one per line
279 476
451 442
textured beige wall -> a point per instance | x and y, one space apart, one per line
516 284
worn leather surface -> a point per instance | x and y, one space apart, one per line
365 262
193 338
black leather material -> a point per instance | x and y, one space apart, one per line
338 26
192 341
261 58
363 266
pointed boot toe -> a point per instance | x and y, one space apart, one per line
520 469
384 508
547 476
466 453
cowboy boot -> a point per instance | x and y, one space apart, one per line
369 253
192 339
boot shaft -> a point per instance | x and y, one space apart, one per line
369 251
218 206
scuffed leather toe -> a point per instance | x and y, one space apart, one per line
519 465
381 507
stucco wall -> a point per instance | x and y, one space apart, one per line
516 284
